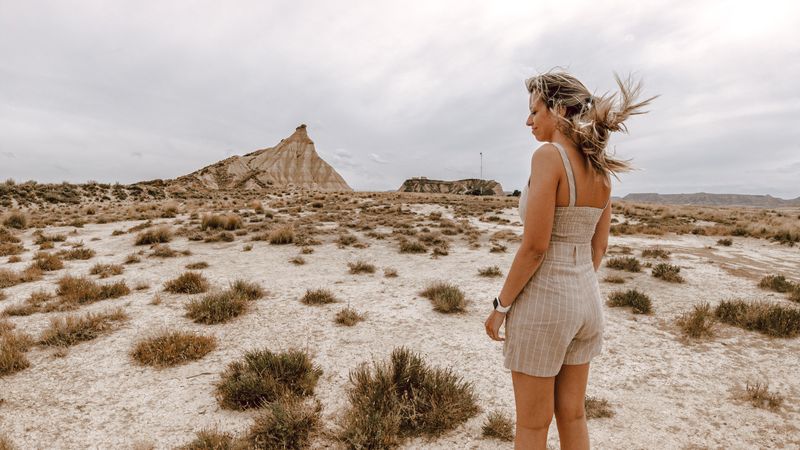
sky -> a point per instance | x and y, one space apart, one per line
127 91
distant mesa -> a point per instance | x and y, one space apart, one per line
469 186
704 198
294 161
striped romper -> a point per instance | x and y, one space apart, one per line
558 317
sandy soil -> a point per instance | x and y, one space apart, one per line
666 393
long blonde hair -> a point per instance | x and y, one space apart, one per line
588 120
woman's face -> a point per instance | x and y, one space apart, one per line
541 121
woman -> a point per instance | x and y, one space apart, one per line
550 301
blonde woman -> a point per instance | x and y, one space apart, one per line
550 301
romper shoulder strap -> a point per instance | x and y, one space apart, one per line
570 176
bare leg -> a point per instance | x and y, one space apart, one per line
570 391
534 400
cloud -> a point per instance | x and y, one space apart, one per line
377 158
8 154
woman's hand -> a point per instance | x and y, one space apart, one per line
492 325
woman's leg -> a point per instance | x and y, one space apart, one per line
534 400
570 391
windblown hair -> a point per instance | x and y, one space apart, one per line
589 120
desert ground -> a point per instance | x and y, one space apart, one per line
664 389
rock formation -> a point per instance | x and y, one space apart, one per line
471 186
294 161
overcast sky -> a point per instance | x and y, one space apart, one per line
130 91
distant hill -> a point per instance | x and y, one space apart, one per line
473 186
704 198
294 161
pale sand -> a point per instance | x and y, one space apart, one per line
665 393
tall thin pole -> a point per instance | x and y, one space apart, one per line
481 180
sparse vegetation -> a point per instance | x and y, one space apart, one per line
80 253
667 272
491 271
318 297
597 408
16 219
298 260
348 317
106 270
197 265
48 262
170 348
402 398
390 272
281 236
777 283
655 252
160 235
725 242
759 395
263 376
698 323
81 290
225 222
360 266
13 345
70 330
219 307
286 423
770 319
627 263
498 426
407 246
446 297
639 301
614 279
187 283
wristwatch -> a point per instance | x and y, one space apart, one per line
500 308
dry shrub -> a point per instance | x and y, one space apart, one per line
106 270
225 222
725 242
346 239
5 443
165 251
81 290
390 272
10 249
639 301
698 323
360 266
614 279
766 318
282 235
77 253
187 283
70 330
132 259
306 250
13 346
491 271
10 278
48 262
170 348
348 317
286 423
16 219
777 283
263 376
210 439
197 265
446 297
597 408
627 263
667 272
219 307
655 252
498 426
298 260
318 297
497 248
401 398
759 395
159 235
407 246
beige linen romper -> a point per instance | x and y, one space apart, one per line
558 317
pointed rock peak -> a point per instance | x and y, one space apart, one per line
300 134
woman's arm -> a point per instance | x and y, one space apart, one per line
540 209
600 238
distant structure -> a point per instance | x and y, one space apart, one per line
294 161
704 198
469 186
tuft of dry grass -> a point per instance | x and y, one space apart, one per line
597 408
160 235
187 283
770 319
346 239
82 290
225 222
16 219
170 348
498 426
197 265
13 345
360 266
286 423
491 271
80 253
401 398
220 307
282 236
263 376
133 258
639 301
407 246
667 272
698 323
759 395
72 329
210 439
627 263
390 272
777 283
318 297
348 317
614 279
446 297
655 252
725 242
298 260
106 270
497 248
48 262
